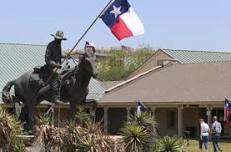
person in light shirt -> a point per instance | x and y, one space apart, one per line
204 133
216 133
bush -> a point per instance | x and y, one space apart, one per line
135 137
120 64
10 129
82 135
84 139
168 144
145 120
139 132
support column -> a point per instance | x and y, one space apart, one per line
105 119
209 115
154 113
128 112
155 129
179 121
58 115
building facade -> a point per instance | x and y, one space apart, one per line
179 92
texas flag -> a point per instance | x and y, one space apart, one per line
227 111
122 20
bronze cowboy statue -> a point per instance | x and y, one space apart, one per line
53 61
43 83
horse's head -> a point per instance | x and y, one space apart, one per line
87 62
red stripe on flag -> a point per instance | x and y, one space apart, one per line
120 30
228 116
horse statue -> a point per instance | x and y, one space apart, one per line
74 87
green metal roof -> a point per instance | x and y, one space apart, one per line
186 56
15 59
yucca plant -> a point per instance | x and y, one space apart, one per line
52 137
169 144
81 116
44 119
146 120
135 137
10 129
85 135
91 138
49 135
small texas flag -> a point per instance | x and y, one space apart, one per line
227 111
122 20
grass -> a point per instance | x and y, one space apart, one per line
194 146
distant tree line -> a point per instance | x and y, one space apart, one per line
120 63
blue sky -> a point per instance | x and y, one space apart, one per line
176 24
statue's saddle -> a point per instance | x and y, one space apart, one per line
39 69
40 75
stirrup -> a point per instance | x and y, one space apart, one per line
58 101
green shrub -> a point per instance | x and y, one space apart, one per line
135 137
145 120
10 129
119 64
168 144
139 132
85 135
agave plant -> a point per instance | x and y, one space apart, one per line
49 135
52 137
145 120
135 137
91 138
81 116
10 129
85 135
169 144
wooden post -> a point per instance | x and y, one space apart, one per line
105 119
209 115
58 115
128 112
179 121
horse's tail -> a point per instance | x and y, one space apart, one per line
6 97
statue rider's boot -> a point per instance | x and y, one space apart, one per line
56 90
56 98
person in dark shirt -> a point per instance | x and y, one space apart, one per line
53 58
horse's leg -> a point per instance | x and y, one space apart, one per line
72 110
24 117
17 107
92 105
31 116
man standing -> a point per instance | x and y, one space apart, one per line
53 61
140 107
204 133
216 132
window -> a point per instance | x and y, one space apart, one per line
171 117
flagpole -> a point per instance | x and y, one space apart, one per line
98 16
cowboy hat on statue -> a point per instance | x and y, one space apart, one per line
59 35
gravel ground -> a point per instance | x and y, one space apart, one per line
37 147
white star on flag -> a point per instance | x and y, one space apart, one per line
122 20
116 11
